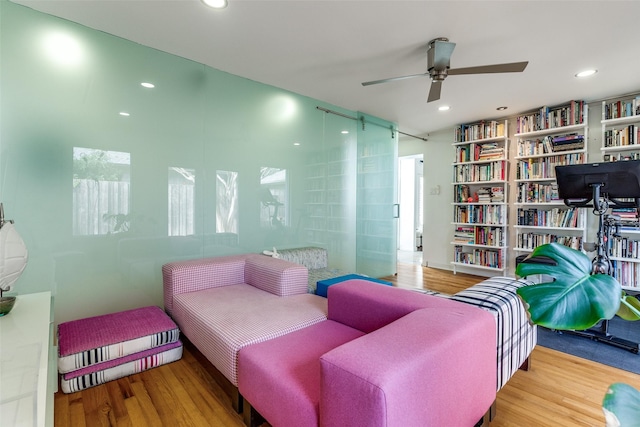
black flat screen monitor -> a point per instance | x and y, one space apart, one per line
618 180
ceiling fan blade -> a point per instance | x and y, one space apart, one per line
511 67
441 51
392 79
434 91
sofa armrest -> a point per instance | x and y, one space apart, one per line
446 356
277 276
198 274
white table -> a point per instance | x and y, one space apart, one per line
28 373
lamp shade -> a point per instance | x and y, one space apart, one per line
13 256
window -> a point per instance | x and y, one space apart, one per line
226 202
101 192
273 197
181 201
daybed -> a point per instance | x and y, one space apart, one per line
384 357
223 304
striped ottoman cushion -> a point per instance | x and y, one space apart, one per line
516 336
117 368
86 342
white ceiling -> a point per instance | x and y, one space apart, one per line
325 49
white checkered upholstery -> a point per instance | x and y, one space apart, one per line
516 336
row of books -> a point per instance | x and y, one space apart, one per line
480 214
617 157
550 144
629 135
494 171
552 117
489 236
565 218
624 247
628 218
544 167
480 130
530 241
479 153
618 109
482 257
535 192
627 273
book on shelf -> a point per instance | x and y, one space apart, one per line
621 108
567 142
480 130
629 135
545 117
621 157
489 151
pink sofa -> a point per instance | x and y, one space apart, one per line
223 304
384 357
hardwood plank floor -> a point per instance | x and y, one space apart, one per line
558 390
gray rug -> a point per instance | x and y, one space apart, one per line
597 351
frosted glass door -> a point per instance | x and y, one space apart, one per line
376 226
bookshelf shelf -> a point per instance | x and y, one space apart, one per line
621 129
560 138
480 182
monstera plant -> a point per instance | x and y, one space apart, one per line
578 300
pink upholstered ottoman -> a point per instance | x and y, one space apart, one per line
98 349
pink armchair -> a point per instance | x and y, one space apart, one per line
384 357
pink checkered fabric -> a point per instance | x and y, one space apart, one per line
93 340
195 275
220 321
277 276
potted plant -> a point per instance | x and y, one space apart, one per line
576 299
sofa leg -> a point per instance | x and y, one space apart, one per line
526 365
250 416
488 416
237 400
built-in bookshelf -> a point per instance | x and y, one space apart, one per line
624 250
480 175
621 129
546 138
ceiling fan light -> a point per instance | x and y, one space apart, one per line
216 4
586 73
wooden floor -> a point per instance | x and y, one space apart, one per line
558 390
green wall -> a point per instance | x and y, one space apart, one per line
103 200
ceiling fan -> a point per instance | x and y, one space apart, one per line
438 56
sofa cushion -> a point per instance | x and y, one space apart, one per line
311 257
197 274
282 376
277 276
221 321
93 340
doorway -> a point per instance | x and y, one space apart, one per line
410 197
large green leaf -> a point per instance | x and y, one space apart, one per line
576 299
621 406
629 308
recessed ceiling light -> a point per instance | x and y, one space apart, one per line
124 113
502 108
586 73
216 4
147 85
296 143
444 108
344 132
